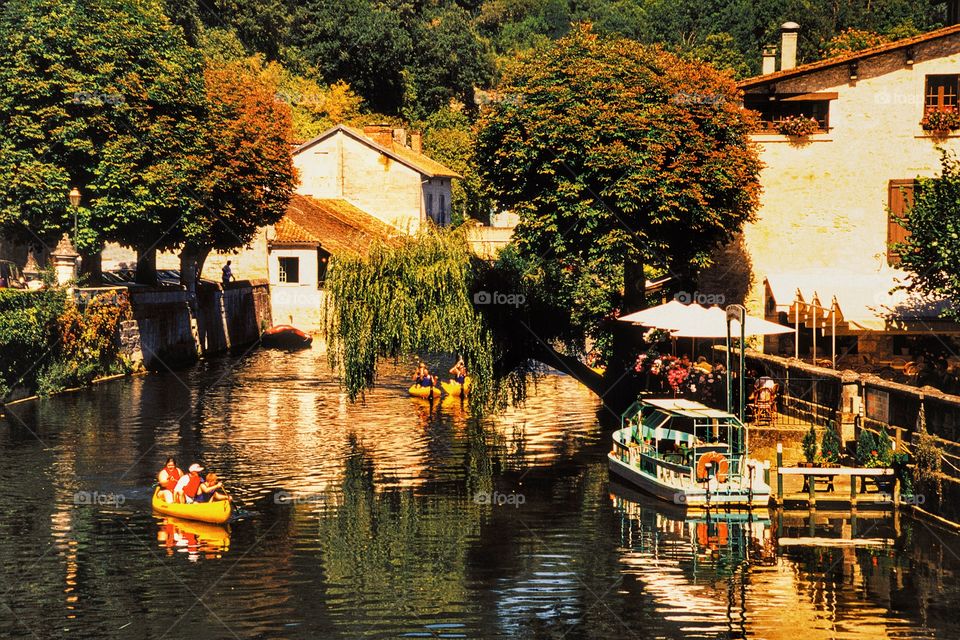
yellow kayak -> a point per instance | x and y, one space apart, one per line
425 392
453 388
215 512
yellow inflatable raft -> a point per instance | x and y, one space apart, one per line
425 392
453 388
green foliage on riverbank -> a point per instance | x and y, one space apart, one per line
48 343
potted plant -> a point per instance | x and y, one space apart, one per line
809 445
830 447
941 121
798 126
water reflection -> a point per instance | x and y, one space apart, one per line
378 520
196 539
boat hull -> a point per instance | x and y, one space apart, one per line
285 337
687 496
212 512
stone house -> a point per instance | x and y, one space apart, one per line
380 171
830 198
355 187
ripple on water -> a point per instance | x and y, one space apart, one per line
375 520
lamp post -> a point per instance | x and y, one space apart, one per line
74 197
739 313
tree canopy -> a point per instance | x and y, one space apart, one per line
616 155
103 96
166 150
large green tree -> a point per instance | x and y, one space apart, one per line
247 174
931 253
616 157
104 96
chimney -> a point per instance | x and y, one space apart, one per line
380 133
788 45
416 141
769 60
400 137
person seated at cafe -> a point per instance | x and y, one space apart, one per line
189 485
167 478
211 490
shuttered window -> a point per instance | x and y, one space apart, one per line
899 202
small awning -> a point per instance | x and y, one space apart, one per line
859 301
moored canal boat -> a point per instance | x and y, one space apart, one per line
689 454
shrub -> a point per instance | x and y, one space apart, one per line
28 333
927 477
884 448
866 448
810 445
830 445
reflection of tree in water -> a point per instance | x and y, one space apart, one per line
393 553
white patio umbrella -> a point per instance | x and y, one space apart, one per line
712 323
671 315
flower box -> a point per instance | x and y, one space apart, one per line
798 126
941 121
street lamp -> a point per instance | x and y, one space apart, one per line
74 197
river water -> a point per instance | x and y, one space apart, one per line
392 518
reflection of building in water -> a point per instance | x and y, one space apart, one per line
727 574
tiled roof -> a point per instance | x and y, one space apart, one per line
417 161
849 57
289 232
337 225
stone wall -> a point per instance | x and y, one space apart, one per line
165 324
170 330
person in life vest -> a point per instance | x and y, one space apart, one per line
423 378
189 485
211 490
168 477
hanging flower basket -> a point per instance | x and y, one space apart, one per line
798 126
941 121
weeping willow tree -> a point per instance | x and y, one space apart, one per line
411 295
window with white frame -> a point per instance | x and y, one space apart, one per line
289 270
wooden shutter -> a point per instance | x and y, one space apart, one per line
900 199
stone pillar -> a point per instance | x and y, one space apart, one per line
850 404
64 259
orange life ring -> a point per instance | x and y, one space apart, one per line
719 462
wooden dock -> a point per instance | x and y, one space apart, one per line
835 488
